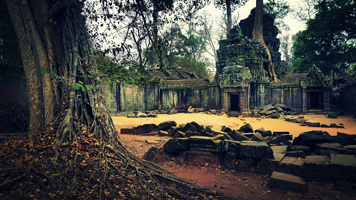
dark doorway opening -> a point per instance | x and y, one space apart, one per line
235 102
315 100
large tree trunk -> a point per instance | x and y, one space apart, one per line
24 26
228 14
257 36
80 155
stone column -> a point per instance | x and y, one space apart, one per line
304 100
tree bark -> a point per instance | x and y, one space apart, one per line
228 14
257 36
23 23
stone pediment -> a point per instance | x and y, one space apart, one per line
316 78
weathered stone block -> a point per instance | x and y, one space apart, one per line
232 146
247 128
145 129
205 143
179 134
175 145
257 137
238 136
297 154
313 123
278 133
126 130
246 165
292 165
316 168
305 149
257 150
162 133
311 137
288 182
343 167
281 139
167 125
230 160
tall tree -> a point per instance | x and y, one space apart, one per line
257 36
329 40
79 155
229 6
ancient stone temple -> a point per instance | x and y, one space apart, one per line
241 85
239 71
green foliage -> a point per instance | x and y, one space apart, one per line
179 49
114 71
329 40
278 9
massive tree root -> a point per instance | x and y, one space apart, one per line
34 167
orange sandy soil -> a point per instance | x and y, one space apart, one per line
243 185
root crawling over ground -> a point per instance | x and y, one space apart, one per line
33 167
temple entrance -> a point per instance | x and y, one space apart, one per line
315 100
235 102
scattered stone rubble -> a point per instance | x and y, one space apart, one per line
312 156
274 111
153 113
304 122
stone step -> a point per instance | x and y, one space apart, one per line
288 182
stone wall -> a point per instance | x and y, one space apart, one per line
182 98
134 97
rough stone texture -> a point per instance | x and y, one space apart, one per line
203 158
281 139
263 132
230 160
238 136
167 125
292 165
312 123
246 165
247 128
352 148
126 130
146 129
179 134
278 133
155 155
316 168
257 150
288 182
257 137
298 154
232 146
162 133
205 143
305 149
268 165
344 139
311 137
343 167
334 147
175 145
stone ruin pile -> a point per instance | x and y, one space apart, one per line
312 156
274 111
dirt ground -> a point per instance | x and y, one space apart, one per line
238 184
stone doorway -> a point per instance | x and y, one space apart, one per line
234 104
315 100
